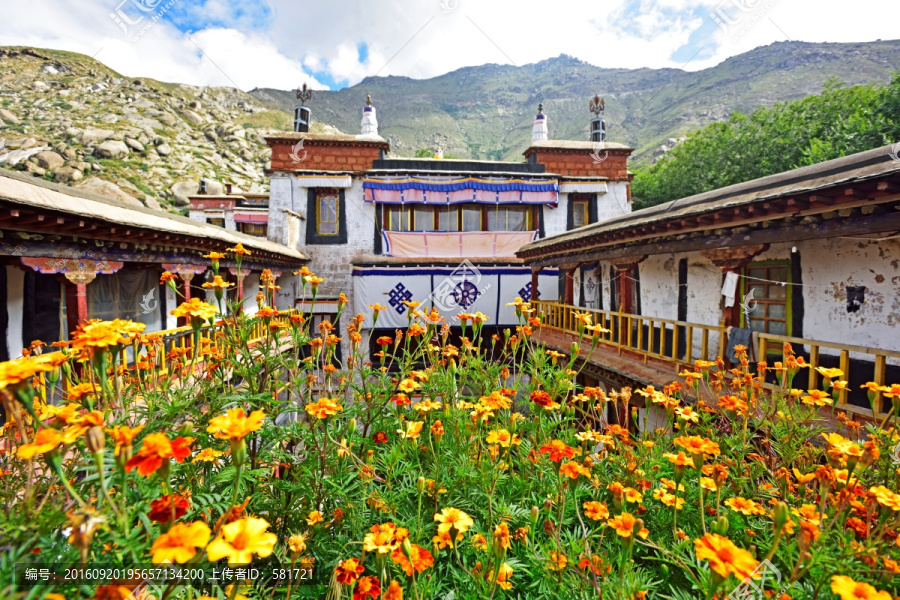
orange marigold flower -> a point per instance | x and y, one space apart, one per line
240 540
724 557
393 591
556 561
596 511
217 283
180 543
453 518
557 450
348 571
239 249
623 524
367 586
848 589
46 440
324 408
157 447
744 506
419 560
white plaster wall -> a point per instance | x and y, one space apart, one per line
15 297
704 287
555 218
281 197
251 288
659 286
614 202
172 301
197 215
828 266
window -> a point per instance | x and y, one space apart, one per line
448 218
219 222
509 218
471 218
257 229
765 297
327 213
579 213
423 217
396 218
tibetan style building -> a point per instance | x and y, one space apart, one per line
438 231
67 255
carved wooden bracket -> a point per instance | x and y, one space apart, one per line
80 272
735 257
184 269
627 263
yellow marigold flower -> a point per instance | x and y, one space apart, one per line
239 249
848 589
82 390
801 478
503 438
240 540
556 561
207 455
632 495
413 430
816 398
427 405
596 511
297 543
830 373
235 424
180 543
886 497
215 256
314 517
324 408
724 557
217 283
623 524
744 506
504 573
807 512
891 391
453 518
102 334
195 308
408 386
479 542
679 460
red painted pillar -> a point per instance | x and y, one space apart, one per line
534 286
76 305
625 299
570 286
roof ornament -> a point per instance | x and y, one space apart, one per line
539 131
369 119
302 115
596 105
598 123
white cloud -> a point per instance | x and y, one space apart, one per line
282 47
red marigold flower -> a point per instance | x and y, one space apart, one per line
348 571
161 508
156 448
558 450
540 397
367 586
380 437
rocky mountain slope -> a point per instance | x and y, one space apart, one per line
69 118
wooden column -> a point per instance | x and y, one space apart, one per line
732 260
76 301
568 271
534 285
186 290
625 266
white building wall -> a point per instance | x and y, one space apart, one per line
614 202
15 297
659 286
555 217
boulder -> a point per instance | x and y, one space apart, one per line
164 149
92 135
112 149
211 135
29 143
134 144
67 174
8 116
34 169
49 160
152 203
110 190
182 190
193 118
167 118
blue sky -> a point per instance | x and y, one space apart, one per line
283 43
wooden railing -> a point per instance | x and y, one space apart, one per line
676 341
681 343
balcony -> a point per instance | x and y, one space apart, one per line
455 244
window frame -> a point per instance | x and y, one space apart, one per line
319 213
766 302
409 212
313 233
586 204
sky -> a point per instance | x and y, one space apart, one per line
333 44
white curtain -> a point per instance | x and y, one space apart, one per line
133 295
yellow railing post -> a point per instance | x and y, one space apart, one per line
722 338
813 364
845 367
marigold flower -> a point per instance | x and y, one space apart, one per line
380 437
82 390
848 589
314 517
886 497
235 424
393 591
679 460
297 543
503 438
196 310
623 524
348 571
596 511
180 543
324 408
408 386
724 557
217 283
453 518
744 506
102 334
504 573
157 447
556 561
413 430
46 440
161 508
240 540
239 250
557 450
419 559
367 586
816 398
207 455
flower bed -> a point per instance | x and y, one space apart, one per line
441 469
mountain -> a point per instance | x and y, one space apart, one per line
487 111
67 117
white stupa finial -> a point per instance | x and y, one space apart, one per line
438 153
539 132
369 119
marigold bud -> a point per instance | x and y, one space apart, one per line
721 525
535 513
420 485
95 439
